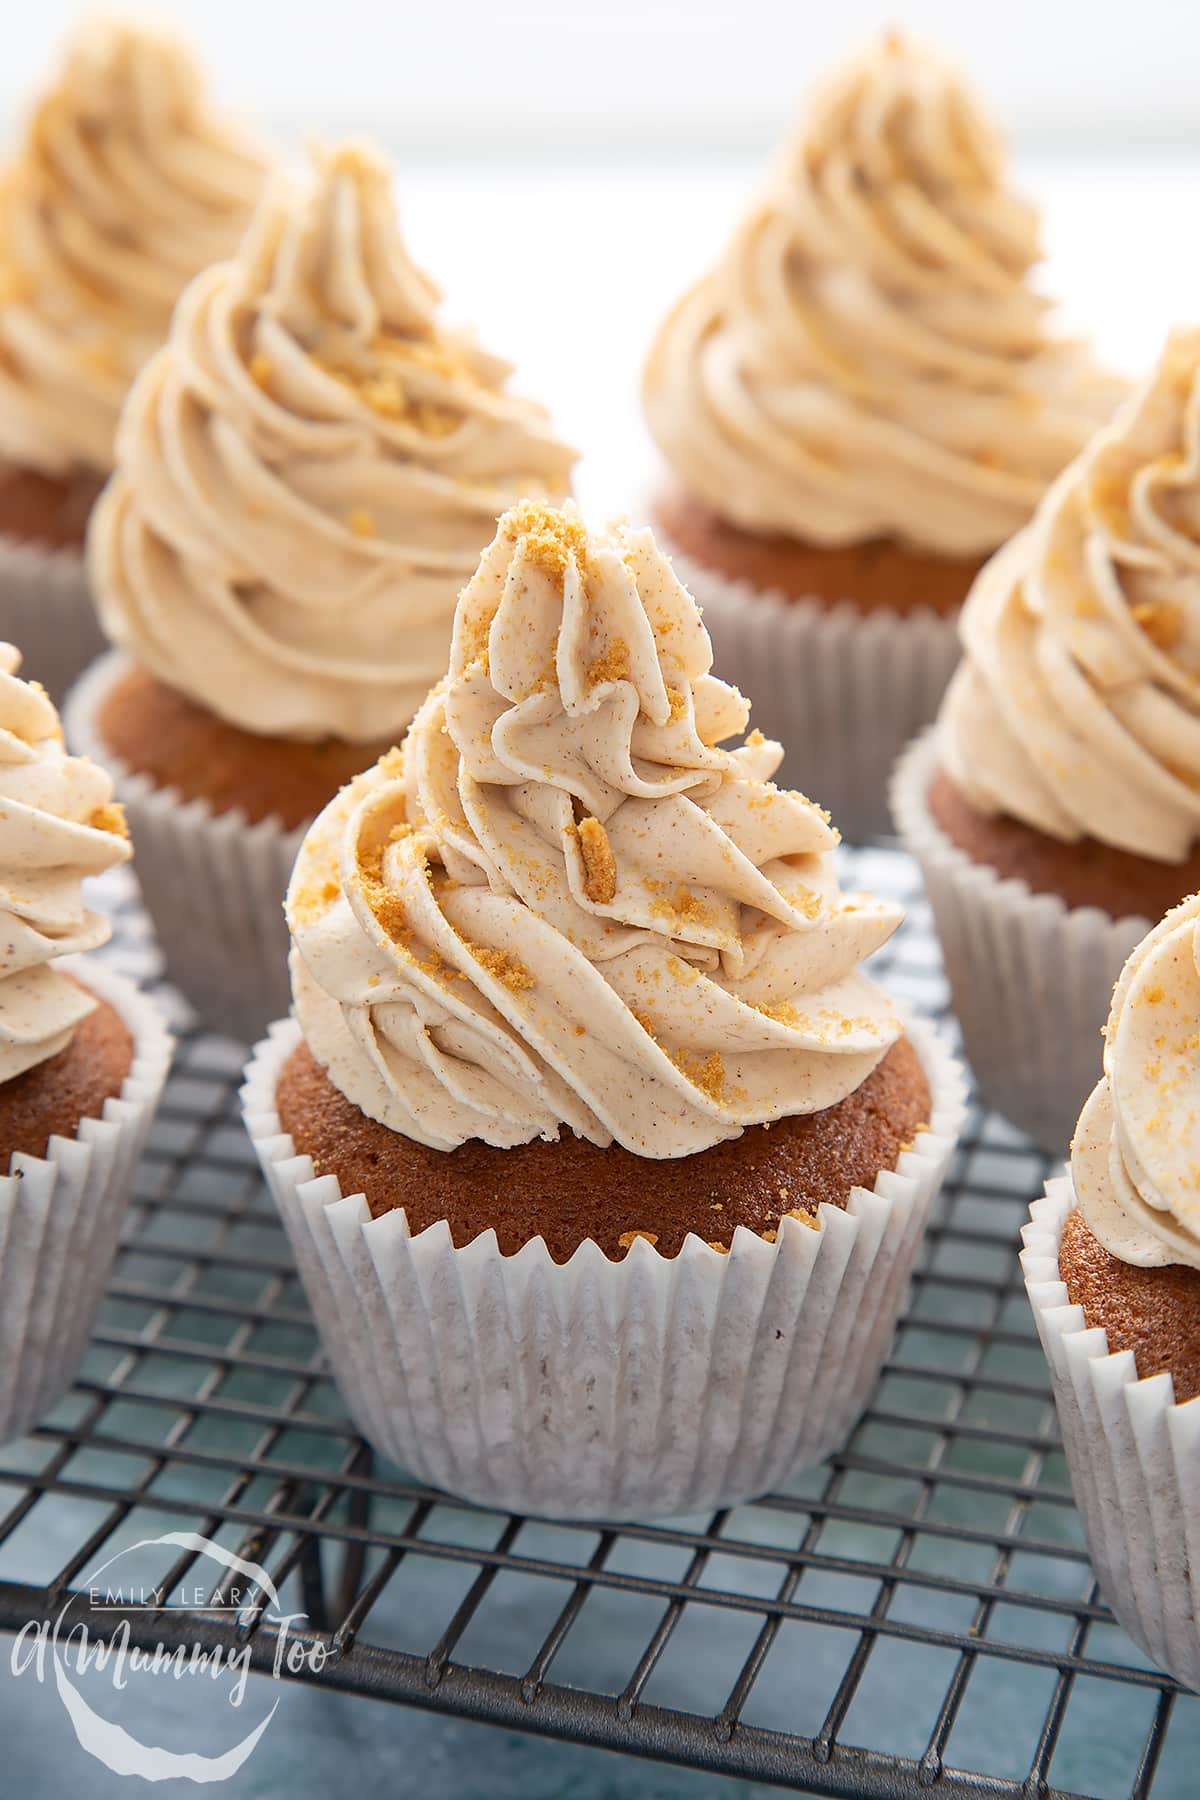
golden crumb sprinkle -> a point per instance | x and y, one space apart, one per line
802 1217
708 1073
628 1239
361 522
1162 622
505 967
311 903
111 818
613 665
599 863
720 1248
549 537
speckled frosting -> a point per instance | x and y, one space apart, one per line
58 825
1077 706
125 183
869 357
1135 1160
308 471
562 903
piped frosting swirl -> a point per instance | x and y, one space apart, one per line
1077 706
308 471
1135 1160
562 902
868 357
125 184
58 825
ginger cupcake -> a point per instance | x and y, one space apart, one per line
83 1056
124 183
306 474
859 403
1055 811
604 1163
1112 1268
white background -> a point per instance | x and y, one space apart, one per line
564 169
454 75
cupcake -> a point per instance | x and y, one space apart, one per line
124 183
83 1056
861 402
604 1163
306 474
1055 810
1112 1267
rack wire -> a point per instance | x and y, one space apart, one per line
917 1616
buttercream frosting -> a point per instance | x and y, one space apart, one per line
125 183
561 902
1077 706
869 357
1135 1160
58 825
308 471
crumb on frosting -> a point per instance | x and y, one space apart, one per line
1162 622
110 818
361 522
612 665
505 967
550 538
599 863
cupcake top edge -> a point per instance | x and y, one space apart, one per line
308 470
58 825
1076 708
125 182
1135 1159
563 901
868 357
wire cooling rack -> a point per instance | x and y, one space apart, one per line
917 1616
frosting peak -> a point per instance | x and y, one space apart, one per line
125 184
58 824
1077 706
308 470
868 357
562 902
1135 1160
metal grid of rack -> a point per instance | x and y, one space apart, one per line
916 1616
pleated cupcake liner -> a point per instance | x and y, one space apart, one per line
1030 977
212 883
46 610
843 690
1133 1455
60 1218
601 1389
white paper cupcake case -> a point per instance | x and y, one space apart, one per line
212 883
1134 1458
1031 978
46 611
60 1217
596 1388
843 690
